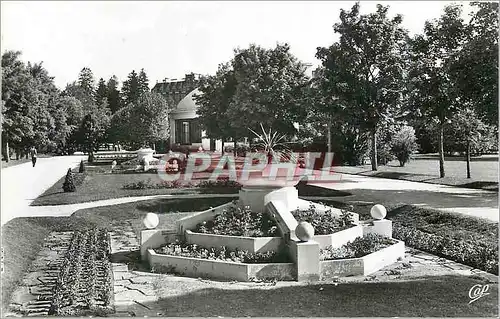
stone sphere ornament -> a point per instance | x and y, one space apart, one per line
151 220
304 231
378 212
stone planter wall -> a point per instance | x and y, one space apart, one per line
251 244
339 238
216 269
362 266
190 222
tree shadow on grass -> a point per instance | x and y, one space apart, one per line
438 296
493 186
164 206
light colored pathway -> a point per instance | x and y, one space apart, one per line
22 183
473 202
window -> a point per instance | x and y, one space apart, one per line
185 133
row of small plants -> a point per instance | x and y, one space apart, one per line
84 283
472 253
359 247
464 239
324 223
218 184
236 220
181 249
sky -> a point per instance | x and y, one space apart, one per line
168 38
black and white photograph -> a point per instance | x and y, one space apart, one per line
249 159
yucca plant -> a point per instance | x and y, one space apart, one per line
271 141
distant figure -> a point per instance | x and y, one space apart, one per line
33 153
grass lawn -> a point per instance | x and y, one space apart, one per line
484 171
440 296
99 185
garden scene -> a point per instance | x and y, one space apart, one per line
363 185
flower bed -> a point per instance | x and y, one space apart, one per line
360 257
218 186
221 263
250 244
472 253
181 249
324 223
84 284
360 247
235 220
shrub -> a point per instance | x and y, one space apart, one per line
239 221
404 145
222 182
81 169
69 184
324 223
194 251
359 247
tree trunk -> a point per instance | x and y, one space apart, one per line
441 150
329 136
468 157
234 150
222 149
18 153
7 152
374 149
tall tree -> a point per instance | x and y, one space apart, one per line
86 84
101 92
476 71
271 86
365 70
142 123
17 97
130 89
434 93
215 95
93 128
143 83
113 94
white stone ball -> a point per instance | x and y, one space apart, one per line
378 212
151 220
304 231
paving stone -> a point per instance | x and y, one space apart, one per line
22 295
119 267
122 275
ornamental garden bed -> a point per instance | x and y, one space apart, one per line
235 220
330 230
220 263
84 284
250 244
360 257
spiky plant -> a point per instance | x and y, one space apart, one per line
270 141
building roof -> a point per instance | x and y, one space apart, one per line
187 103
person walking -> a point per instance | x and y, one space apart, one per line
33 153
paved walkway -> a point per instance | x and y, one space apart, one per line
473 202
22 183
